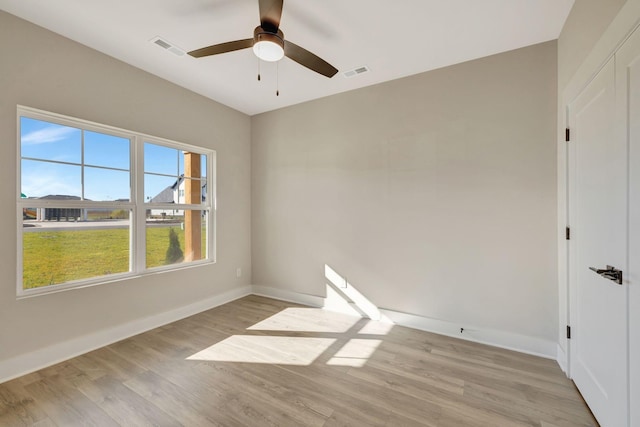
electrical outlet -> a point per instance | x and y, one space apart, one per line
238 272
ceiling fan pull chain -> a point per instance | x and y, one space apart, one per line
277 79
258 69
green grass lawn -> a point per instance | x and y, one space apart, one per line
54 257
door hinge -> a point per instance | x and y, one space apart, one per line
567 233
568 332
567 135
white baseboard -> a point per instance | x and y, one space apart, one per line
506 340
48 356
338 304
563 360
290 296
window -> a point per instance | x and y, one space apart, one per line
97 203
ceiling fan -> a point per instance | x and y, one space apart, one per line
269 44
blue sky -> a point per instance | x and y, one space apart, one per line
106 159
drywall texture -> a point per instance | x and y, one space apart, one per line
433 195
585 24
43 70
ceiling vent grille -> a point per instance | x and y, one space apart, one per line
356 71
167 46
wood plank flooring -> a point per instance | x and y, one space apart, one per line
261 362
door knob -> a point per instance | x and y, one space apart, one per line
610 273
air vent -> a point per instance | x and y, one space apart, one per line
356 71
167 46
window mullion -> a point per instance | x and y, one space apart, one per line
82 166
212 204
139 228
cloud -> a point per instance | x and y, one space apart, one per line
43 185
48 135
41 179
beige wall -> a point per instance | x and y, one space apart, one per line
43 70
433 195
585 24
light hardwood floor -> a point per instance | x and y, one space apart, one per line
261 362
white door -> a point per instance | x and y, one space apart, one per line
628 98
598 221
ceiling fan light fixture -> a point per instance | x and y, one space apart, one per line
268 46
268 51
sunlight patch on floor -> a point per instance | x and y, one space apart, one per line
265 349
322 334
302 319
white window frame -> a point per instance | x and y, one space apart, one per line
137 205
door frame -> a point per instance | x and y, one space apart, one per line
623 25
621 28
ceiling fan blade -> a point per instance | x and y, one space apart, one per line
270 14
221 48
308 59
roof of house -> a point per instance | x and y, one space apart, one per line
165 196
60 197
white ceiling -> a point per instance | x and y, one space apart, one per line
393 38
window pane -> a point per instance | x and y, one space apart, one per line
175 237
106 185
160 189
106 150
49 141
159 159
60 251
50 180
